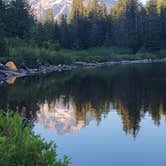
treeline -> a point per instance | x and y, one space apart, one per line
128 24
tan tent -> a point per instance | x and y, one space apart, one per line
11 66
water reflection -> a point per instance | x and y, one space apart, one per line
11 80
67 102
58 117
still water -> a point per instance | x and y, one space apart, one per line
112 116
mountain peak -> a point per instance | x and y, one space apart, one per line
53 9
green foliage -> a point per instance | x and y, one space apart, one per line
17 18
34 56
64 33
19 145
16 42
31 56
107 41
163 25
153 37
163 52
3 49
2 33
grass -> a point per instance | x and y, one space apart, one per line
31 55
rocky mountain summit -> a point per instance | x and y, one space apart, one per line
53 9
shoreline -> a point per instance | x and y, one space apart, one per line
44 69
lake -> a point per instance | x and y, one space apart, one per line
98 117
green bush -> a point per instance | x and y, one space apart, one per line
3 49
51 45
31 56
163 53
20 147
24 55
15 42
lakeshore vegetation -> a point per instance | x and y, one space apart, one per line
20 146
91 33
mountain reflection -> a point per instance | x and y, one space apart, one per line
66 102
59 118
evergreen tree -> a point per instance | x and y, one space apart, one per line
108 38
119 23
163 24
2 9
141 24
2 14
104 22
2 29
2 41
77 22
64 33
77 10
96 36
56 34
18 12
131 25
153 25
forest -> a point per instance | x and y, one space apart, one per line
128 26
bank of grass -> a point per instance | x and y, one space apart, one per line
32 55
19 145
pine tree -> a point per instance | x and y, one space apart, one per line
153 31
2 9
56 34
96 36
18 12
2 41
76 20
64 33
108 38
77 10
163 24
131 25
104 22
2 28
141 24
119 23
49 15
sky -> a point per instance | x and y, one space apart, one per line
143 1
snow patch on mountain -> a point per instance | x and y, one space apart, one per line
55 8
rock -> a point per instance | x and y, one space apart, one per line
1 81
1 65
10 65
80 63
23 71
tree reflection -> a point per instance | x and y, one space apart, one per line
68 101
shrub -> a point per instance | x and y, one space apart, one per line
3 49
24 55
163 53
19 145
15 42
51 45
31 56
